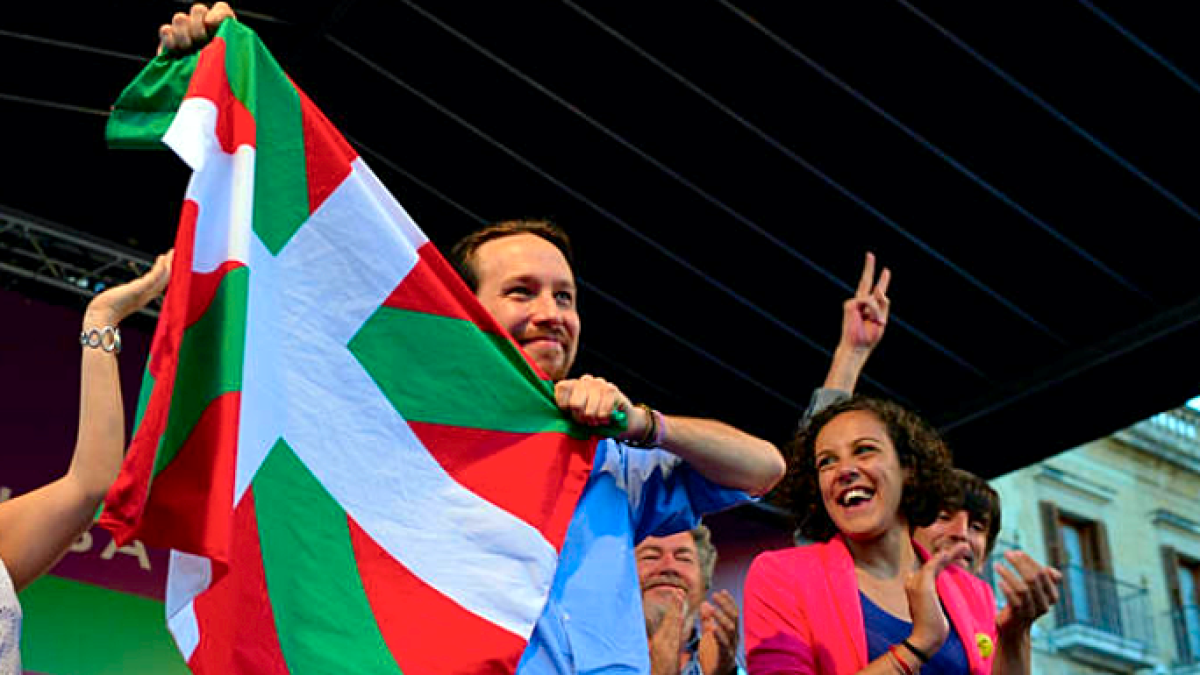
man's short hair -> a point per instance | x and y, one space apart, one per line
462 254
706 553
981 503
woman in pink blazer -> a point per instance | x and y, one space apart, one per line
867 599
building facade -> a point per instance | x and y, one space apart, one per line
1120 517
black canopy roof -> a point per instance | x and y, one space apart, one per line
1025 169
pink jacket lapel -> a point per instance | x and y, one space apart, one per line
969 612
847 607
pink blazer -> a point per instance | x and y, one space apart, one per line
803 613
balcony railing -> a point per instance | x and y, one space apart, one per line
1173 435
1102 620
1186 624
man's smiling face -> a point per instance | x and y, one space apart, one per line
527 284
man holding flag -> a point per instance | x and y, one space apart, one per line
319 382
521 272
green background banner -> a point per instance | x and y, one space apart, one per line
77 628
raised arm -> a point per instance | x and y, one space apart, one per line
36 528
720 453
864 318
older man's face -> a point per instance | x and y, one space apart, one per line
669 571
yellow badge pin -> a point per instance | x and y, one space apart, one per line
985 644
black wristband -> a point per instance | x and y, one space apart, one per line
916 652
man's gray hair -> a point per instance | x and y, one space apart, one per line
706 553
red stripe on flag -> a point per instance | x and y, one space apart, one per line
204 286
327 155
497 469
427 632
189 508
235 124
434 287
236 621
126 499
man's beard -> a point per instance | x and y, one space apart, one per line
656 612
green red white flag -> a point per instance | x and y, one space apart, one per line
356 469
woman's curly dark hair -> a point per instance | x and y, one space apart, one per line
926 490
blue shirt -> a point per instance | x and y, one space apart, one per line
593 621
885 630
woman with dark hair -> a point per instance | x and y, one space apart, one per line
865 598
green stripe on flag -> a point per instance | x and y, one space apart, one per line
447 371
145 110
281 176
144 393
322 615
210 362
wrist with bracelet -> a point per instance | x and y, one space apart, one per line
897 658
921 656
107 338
656 429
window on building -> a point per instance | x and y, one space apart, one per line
1183 583
1078 547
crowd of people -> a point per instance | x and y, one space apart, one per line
891 537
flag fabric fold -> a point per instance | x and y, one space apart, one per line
355 468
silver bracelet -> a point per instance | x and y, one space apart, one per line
107 338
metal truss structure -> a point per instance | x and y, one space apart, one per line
56 256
